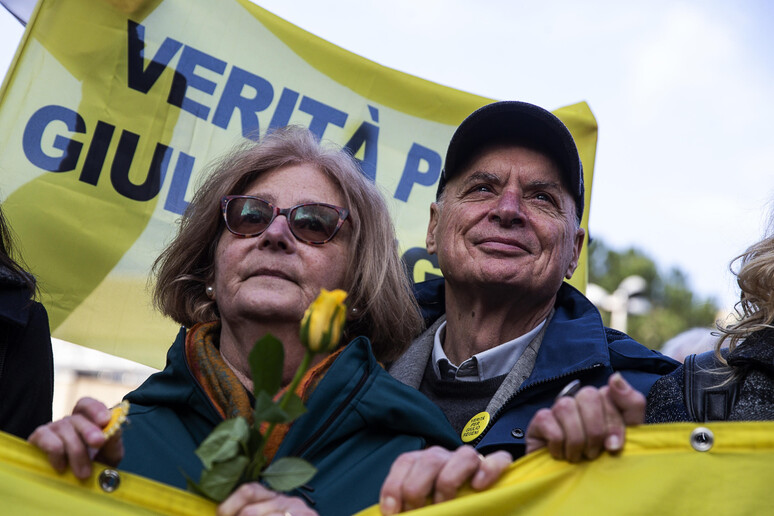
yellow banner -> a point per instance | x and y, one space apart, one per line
659 472
111 108
29 485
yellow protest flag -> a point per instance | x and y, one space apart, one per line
112 108
29 485
661 470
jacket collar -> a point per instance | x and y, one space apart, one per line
756 352
15 304
574 338
175 385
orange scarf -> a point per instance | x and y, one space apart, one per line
226 392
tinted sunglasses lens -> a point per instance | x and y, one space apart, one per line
248 216
314 222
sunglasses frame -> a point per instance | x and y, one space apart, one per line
275 212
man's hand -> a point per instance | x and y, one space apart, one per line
76 440
438 473
256 500
581 427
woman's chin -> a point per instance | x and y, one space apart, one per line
277 309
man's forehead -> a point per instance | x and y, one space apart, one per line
501 158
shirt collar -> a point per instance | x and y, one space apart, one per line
490 363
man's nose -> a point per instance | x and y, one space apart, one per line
509 209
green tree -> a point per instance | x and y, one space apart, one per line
674 308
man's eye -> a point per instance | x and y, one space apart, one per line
541 196
481 189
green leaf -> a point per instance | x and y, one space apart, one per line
294 407
266 363
224 442
267 410
218 482
288 473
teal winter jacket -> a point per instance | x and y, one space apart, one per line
358 420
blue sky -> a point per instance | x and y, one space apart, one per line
681 92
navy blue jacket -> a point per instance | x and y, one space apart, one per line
358 420
575 345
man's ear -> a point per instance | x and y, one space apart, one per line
580 234
430 243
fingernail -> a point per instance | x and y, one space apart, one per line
619 382
479 476
389 506
613 443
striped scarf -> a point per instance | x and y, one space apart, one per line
224 390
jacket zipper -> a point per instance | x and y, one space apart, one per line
328 422
544 381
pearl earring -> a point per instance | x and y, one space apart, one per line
354 312
210 291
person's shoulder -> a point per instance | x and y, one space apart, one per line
430 297
639 364
623 345
665 401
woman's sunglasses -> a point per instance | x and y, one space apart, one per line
312 222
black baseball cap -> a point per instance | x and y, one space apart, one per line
518 122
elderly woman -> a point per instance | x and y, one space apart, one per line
741 379
274 224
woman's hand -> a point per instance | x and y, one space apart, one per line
77 440
256 500
438 472
581 427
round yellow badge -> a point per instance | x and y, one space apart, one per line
475 426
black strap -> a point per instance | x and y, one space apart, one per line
709 393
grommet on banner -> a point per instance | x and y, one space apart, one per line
109 480
702 439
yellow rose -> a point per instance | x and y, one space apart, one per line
323 321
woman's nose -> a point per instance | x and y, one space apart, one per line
278 235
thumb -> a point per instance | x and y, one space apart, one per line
629 401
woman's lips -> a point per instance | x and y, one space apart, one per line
275 273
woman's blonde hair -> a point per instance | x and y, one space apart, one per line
755 308
376 283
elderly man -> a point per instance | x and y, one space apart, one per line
507 333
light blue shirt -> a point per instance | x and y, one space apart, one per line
493 362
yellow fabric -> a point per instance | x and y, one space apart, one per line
658 473
30 486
